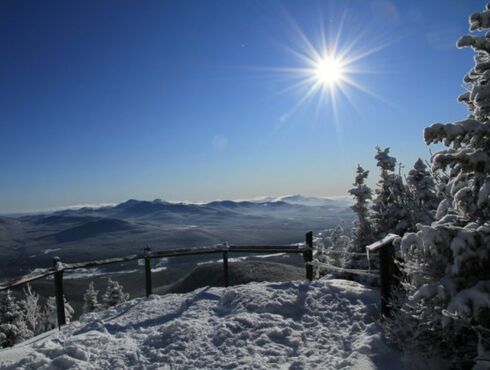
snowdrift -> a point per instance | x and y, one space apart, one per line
327 324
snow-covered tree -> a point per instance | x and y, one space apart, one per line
362 232
90 302
389 210
447 263
423 193
50 314
13 328
114 294
339 244
32 310
330 247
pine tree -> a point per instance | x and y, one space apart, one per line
13 328
32 310
362 232
389 210
447 263
423 194
90 302
114 294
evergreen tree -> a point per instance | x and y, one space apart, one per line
13 328
447 263
423 194
90 302
389 210
114 294
362 233
32 310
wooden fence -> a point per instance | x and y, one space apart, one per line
59 267
387 273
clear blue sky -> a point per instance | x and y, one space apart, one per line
101 101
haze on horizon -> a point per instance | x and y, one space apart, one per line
203 100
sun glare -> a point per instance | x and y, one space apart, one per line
329 71
328 68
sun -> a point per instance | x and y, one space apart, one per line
329 70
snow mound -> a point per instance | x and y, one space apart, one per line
327 324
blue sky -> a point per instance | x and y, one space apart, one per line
101 101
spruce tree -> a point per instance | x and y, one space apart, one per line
362 232
389 210
114 294
13 328
90 302
423 194
447 263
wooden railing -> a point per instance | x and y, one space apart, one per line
59 267
388 271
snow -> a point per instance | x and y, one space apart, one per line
326 324
242 258
388 239
50 250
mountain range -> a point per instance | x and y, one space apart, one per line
31 240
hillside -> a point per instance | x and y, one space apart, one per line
211 274
327 324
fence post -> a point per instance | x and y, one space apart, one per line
225 268
58 292
387 269
308 255
148 271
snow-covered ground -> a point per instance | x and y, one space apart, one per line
327 324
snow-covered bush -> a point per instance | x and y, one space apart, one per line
447 263
90 302
114 294
13 328
50 315
362 232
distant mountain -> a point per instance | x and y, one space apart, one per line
298 199
91 229
26 242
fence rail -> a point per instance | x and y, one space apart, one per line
35 275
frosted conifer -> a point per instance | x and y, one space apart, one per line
362 232
389 209
423 193
90 302
32 310
114 294
447 263
13 328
